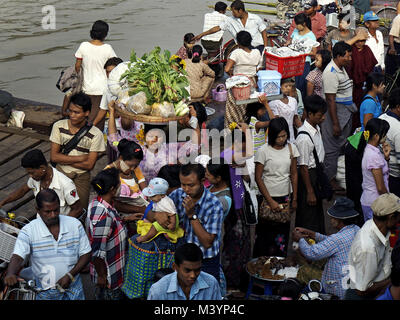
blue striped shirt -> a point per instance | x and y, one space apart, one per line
51 259
336 248
206 287
210 213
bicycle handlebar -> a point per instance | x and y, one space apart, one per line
30 285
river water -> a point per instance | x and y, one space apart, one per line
31 57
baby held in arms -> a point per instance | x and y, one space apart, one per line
160 202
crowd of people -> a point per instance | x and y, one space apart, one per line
171 220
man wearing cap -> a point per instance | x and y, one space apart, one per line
375 39
318 20
369 257
335 247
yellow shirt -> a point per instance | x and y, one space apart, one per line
133 184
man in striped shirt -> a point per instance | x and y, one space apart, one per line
338 88
58 248
78 163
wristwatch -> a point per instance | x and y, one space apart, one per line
194 217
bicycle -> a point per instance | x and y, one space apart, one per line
280 31
27 290
391 82
386 16
215 59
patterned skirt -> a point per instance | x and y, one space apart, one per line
236 249
234 112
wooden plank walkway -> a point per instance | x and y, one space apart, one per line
14 143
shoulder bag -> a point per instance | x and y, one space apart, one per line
71 144
323 188
249 210
266 214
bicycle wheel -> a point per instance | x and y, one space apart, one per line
390 84
386 16
385 33
228 49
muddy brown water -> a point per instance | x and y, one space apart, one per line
32 57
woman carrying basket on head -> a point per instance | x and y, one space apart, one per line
242 61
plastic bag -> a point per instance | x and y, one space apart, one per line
115 85
123 96
138 104
165 110
16 119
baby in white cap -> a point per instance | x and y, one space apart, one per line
148 230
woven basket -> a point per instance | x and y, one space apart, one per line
7 241
146 118
140 268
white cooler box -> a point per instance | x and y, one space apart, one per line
269 82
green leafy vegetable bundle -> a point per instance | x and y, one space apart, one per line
153 74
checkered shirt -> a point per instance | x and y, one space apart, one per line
108 238
212 20
336 248
210 213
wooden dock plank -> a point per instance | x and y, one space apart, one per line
16 174
27 132
14 186
4 135
15 163
15 145
27 210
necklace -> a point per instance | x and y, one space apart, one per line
46 184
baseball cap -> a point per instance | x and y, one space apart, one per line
156 186
386 204
343 208
370 16
309 4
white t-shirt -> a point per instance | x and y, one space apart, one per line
254 25
93 60
245 62
287 111
276 175
63 186
377 48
